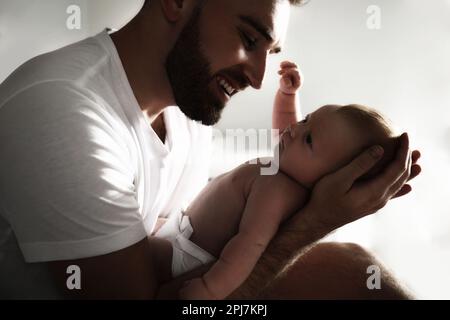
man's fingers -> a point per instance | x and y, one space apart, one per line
359 166
415 168
403 191
416 156
415 171
396 169
397 186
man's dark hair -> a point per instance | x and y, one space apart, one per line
298 2
292 2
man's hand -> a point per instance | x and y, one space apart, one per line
335 201
338 200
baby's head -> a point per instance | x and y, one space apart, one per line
332 137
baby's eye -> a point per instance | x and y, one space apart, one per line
305 120
309 138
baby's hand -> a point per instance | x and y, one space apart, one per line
291 79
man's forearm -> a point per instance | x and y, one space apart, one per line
296 236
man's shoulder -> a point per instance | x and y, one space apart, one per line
59 114
68 64
49 99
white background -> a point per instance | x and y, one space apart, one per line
403 70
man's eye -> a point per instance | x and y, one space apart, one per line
249 42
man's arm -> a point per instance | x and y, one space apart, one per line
336 200
132 273
135 272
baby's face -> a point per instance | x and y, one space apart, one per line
318 145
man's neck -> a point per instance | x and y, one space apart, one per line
143 59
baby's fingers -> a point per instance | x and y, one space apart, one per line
288 64
283 71
294 77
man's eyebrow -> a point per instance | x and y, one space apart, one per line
266 32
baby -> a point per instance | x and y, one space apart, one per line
235 217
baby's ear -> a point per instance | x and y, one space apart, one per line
390 146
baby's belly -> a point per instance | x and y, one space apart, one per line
216 214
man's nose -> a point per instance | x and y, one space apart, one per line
257 69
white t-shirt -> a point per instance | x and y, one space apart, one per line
82 173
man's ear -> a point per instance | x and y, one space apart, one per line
172 9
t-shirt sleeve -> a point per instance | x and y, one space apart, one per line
66 176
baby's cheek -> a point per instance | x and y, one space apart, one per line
314 173
304 172
311 177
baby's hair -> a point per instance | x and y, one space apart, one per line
376 130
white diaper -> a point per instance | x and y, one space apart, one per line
186 254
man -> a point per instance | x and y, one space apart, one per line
93 154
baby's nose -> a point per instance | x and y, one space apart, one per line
287 129
293 131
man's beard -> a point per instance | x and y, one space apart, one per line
189 74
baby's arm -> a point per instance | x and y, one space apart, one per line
271 200
286 109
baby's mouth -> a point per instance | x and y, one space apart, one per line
281 144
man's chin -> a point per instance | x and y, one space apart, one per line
206 116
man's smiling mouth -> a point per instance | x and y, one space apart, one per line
226 86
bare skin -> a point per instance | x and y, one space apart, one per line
136 272
235 218
238 213
324 272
